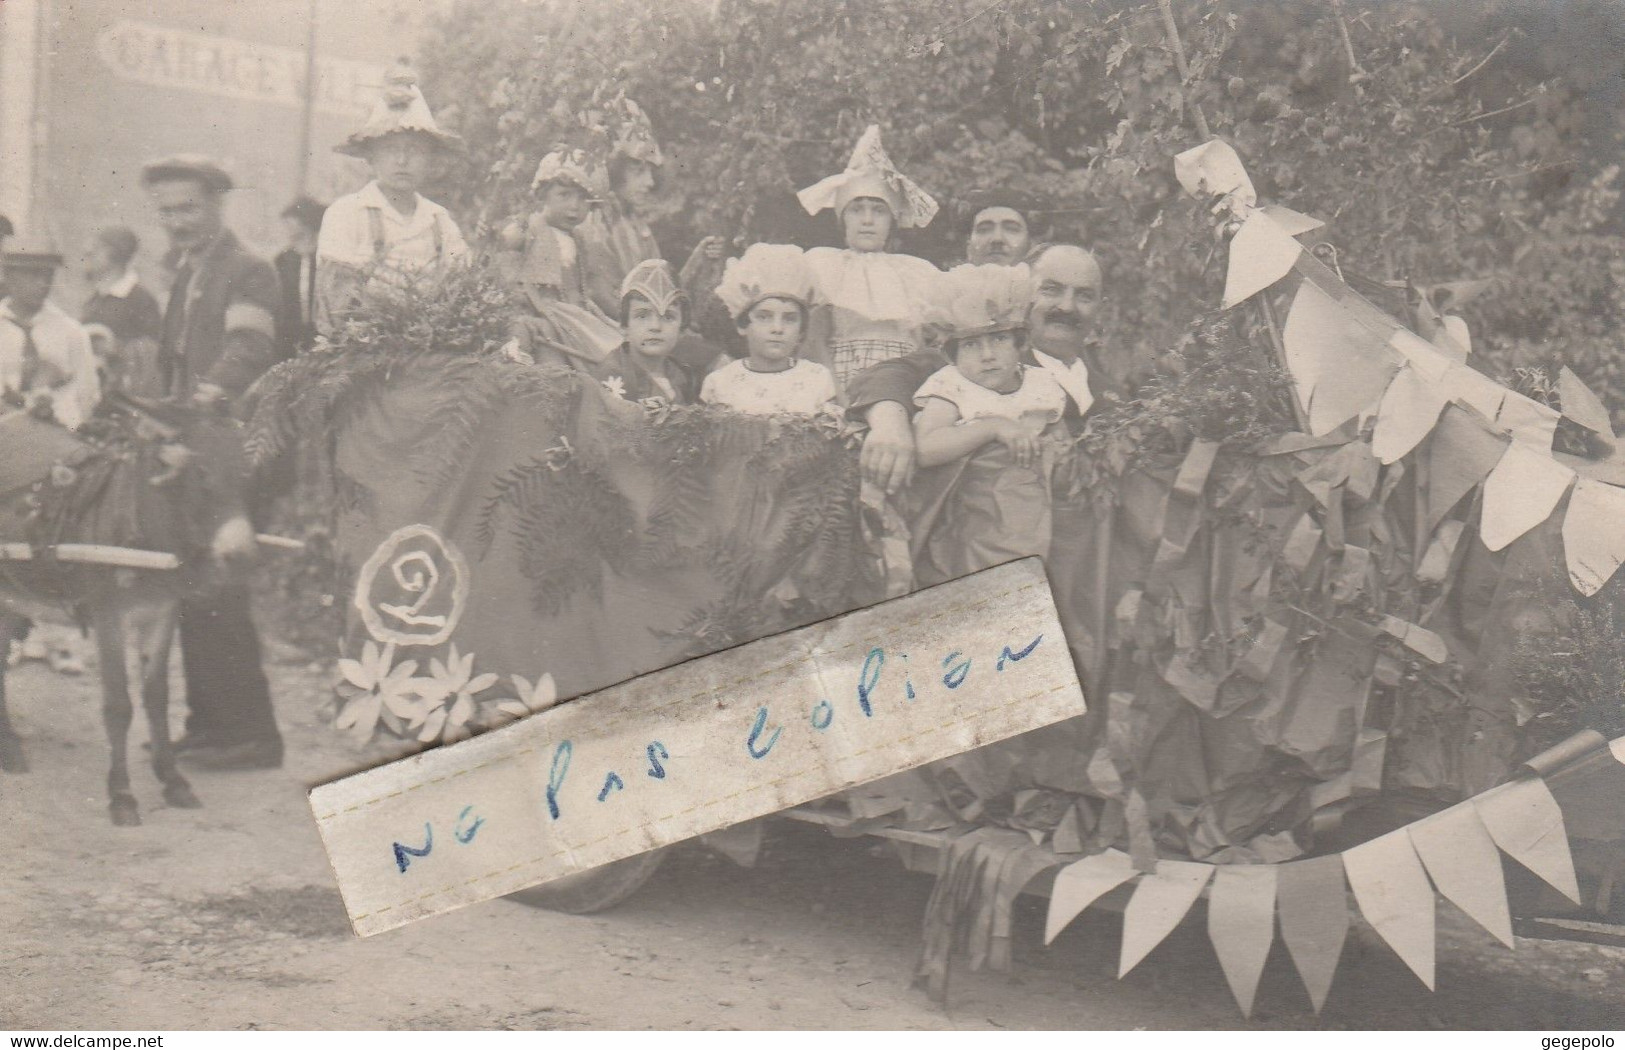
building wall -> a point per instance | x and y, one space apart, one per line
124 81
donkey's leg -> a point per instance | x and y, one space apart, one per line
156 638
117 712
12 758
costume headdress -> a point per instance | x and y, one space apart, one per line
652 279
634 136
765 271
979 300
401 107
573 166
870 173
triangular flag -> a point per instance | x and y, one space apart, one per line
1241 924
1524 820
1454 337
1521 492
1472 387
1314 920
1583 406
1214 169
1461 455
1528 420
1617 746
1160 900
1421 355
1261 253
1593 536
1079 885
1293 222
1408 411
1395 897
1465 866
1339 365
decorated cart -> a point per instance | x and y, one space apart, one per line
1303 574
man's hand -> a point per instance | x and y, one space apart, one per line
887 459
208 395
234 542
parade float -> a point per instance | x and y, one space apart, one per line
1305 574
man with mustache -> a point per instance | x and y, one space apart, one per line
1060 340
219 335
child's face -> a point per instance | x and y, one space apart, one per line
992 361
649 331
564 205
867 223
401 162
773 330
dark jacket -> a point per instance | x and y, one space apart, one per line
220 325
294 332
128 317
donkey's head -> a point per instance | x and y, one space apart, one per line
196 476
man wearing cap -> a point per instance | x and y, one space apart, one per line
46 363
219 335
296 269
121 316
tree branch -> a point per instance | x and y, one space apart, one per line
1172 29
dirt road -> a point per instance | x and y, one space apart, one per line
226 917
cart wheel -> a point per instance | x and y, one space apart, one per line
593 891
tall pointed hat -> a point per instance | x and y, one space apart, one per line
400 108
871 173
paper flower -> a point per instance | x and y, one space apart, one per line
448 697
531 698
375 684
615 385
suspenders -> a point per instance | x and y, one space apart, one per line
380 245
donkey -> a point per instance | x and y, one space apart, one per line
172 478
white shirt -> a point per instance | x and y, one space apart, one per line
64 346
120 287
1038 397
1074 378
409 243
806 388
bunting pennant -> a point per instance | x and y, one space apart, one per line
1160 900
1582 406
1241 925
1407 414
1528 421
1521 492
1462 860
1292 222
1524 820
1395 897
1338 364
1314 920
1214 169
1428 360
1593 539
1079 885
1261 253
1462 454
1474 389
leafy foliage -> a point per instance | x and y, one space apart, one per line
1441 142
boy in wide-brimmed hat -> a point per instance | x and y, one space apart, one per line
387 229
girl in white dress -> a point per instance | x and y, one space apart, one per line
872 302
768 291
986 433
